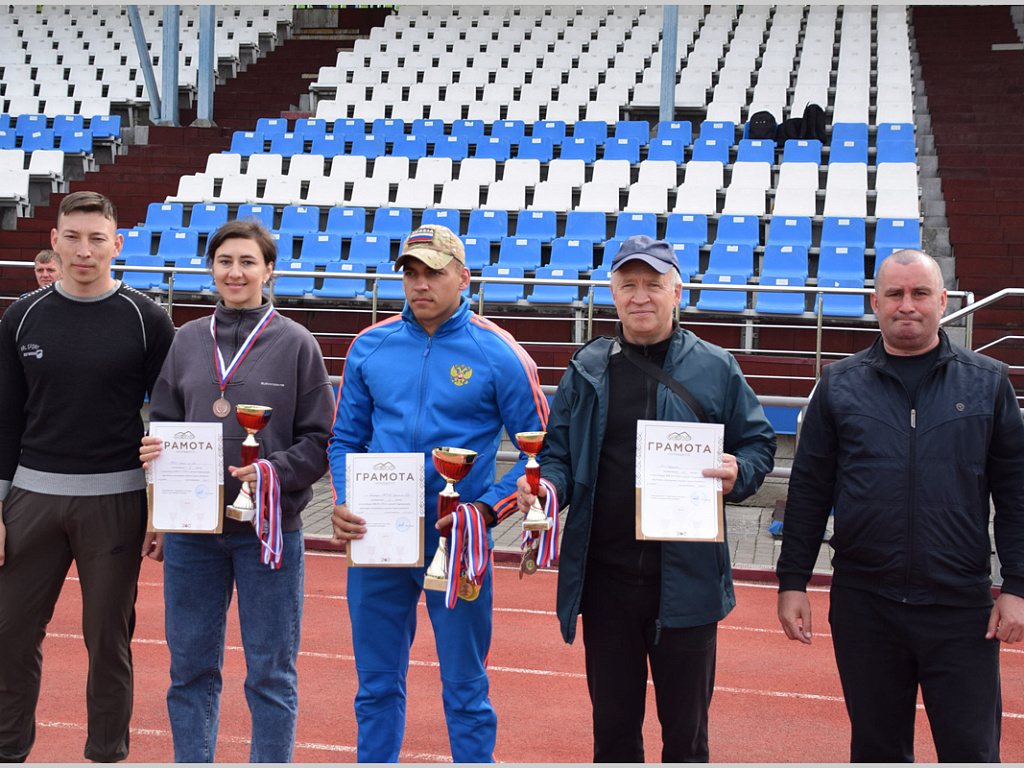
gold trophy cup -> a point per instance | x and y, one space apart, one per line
253 418
531 444
452 464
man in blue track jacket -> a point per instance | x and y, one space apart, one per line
436 375
907 440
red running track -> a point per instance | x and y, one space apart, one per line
775 700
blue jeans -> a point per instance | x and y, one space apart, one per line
200 572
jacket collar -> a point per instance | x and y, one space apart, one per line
877 357
455 322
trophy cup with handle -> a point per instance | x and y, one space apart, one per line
452 464
531 444
253 418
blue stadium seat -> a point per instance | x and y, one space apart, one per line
579 148
785 261
446 217
555 294
346 222
667 149
105 126
802 151
164 216
488 224
497 148
349 128
611 247
513 130
5 121
881 254
73 142
208 217
838 305
28 123
602 293
522 252
503 293
473 130
848 132
478 252
285 245
848 151
542 225
321 248
897 233
369 249
178 243
265 213
143 281
195 283
310 127
756 151
723 301
722 130
688 256
455 147
288 285
572 254
138 241
8 139
395 223
549 129
246 143
389 289
430 130
288 144
687 228
893 132
64 123
790 230
622 149
299 219
895 152
342 288
389 129
328 145
537 147
714 150
737 229
731 259
368 145
633 129
676 129
628 224
586 225
780 303
591 129
41 139
272 126
842 230
841 262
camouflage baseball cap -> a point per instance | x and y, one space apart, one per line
434 245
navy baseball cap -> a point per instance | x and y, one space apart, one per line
657 254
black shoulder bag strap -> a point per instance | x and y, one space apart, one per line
651 369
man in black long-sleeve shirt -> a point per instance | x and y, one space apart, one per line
76 360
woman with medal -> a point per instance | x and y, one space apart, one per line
245 353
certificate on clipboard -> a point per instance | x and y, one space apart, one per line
185 483
386 490
674 502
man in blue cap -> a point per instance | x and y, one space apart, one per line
645 600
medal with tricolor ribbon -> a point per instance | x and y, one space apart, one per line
221 407
467 554
267 520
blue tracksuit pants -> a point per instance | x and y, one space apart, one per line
382 608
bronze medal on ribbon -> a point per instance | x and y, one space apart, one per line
221 407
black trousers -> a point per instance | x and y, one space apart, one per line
103 535
620 636
886 649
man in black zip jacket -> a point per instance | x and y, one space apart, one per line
907 440
645 601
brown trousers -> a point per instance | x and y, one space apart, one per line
103 535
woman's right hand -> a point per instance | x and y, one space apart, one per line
149 450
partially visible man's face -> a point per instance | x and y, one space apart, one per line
433 294
645 300
47 272
909 301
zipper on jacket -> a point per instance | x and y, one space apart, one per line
911 492
423 392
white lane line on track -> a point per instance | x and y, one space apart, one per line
416 757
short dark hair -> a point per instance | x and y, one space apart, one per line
87 202
244 229
46 256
